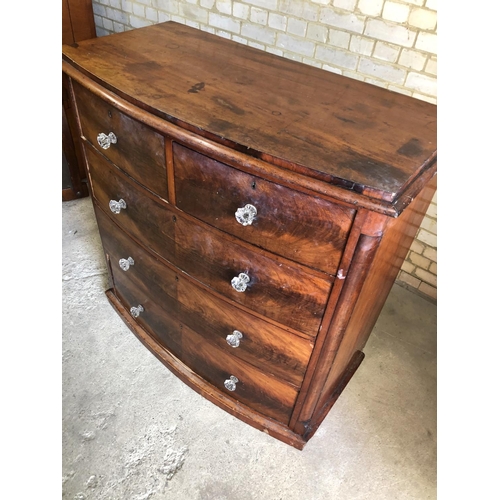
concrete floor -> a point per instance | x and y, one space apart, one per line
133 431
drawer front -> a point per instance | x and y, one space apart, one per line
282 292
299 227
278 291
263 345
255 388
137 288
243 336
139 150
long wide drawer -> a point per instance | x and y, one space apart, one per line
300 227
263 345
284 292
245 383
242 335
138 150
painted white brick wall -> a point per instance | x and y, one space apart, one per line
389 43
397 12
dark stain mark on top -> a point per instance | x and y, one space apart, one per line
246 81
220 126
411 149
351 169
343 119
141 66
197 87
229 105
387 103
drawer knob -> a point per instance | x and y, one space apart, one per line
246 215
230 383
239 283
234 339
106 140
135 311
116 206
126 263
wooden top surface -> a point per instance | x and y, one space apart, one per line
332 128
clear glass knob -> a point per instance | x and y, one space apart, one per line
240 283
234 339
116 206
246 215
105 141
126 263
135 311
230 383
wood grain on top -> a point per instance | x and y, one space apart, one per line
302 118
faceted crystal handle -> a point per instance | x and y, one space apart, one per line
135 311
116 206
239 283
246 215
234 339
126 263
230 383
106 140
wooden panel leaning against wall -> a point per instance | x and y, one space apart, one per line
77 25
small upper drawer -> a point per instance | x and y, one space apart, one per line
300 227
138 150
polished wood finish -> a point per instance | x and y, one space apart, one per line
269 396
304 229
200 385
329 127
246 163
275 287
263 345
154 287
341 174
139 150
147 282
391 252
365 250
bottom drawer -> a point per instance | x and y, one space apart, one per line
268 395
157 288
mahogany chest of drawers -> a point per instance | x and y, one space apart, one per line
254 212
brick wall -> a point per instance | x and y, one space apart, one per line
389 43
